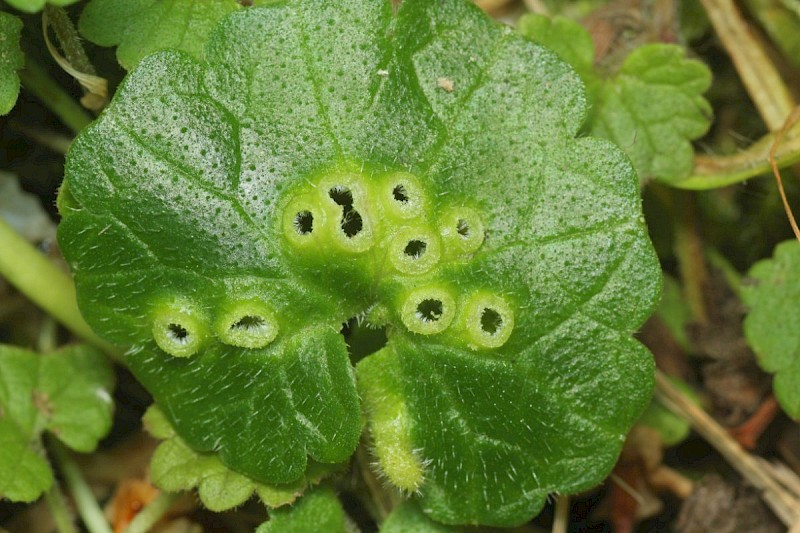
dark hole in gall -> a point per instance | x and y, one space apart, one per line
178 332
462 227
341 195
415 248
352 223
430 310
400 194
248 322
304 222
491 321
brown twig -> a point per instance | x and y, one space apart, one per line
790 121
747 433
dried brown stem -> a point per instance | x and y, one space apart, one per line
785 505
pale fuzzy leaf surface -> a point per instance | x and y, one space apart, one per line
66 393
33 6
652 106
11 60
771 323
319 510
140 27
176 467
178 196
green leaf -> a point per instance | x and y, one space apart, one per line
66 393
33 6
11 60
652 106
409 518
176 467
333 159
563 36
319 510
770 326
140 27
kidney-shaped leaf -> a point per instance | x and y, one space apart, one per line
331 159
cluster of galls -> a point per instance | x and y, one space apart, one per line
389 220
386 222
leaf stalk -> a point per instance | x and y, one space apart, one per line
93 517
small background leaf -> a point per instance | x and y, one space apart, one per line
66 393
652 106
771 323
176 467
11 60
319 510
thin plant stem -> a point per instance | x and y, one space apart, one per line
43 283
68 39
714 171
93 517
793 118
34 78
76 64
152 512
561 518
48 334
689 253
58 508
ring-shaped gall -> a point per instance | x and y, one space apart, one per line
462 231
402 195
246 324
488 320
415 250
303 221
179 328
428 310
347 203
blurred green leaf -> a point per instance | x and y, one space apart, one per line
11 60
140 27
66 393
771 324
176 467
652 106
